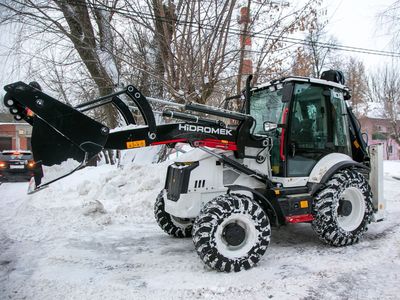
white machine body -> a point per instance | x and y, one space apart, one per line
207 181
210 178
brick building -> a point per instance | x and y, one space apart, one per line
378 131
14 135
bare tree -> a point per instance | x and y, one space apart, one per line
384 87
186 50
85 24
356 80
319 48
302 64
3 109
194 49
275 48
389 18
196 42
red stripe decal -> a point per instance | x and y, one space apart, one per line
299 218
220 144
282 140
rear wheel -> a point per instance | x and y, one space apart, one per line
231 233
343 209
174 226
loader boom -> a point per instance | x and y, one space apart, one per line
61 131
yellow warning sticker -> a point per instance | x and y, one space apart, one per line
303 204
135 144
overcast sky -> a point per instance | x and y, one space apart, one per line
355 23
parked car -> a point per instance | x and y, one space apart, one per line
17 165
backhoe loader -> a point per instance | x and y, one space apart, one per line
295 153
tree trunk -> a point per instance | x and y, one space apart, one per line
83 38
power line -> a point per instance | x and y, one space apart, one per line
277 38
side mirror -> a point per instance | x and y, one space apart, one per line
270 126
347 95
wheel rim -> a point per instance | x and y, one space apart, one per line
181 222
241 249
352 218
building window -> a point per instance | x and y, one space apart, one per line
380 128
5 143
28 143
379 136
390 149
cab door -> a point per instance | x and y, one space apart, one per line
317 126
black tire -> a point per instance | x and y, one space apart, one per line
176 227
343 209
216 238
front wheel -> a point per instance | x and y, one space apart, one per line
343 209
231 233
174 226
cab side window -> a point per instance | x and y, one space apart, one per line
341 139
309 128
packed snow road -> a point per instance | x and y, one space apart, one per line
61 243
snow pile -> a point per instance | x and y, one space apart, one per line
140 156
55 171
391 168
125 193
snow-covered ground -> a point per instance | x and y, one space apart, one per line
61 244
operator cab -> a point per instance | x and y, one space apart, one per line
307 119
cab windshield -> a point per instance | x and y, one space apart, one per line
266 106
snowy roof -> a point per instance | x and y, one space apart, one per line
373 110
8 118
14 123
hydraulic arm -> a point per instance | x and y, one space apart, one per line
61 131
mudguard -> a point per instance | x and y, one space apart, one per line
328 166
261 199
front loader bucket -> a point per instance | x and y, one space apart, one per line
59 131
51 147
